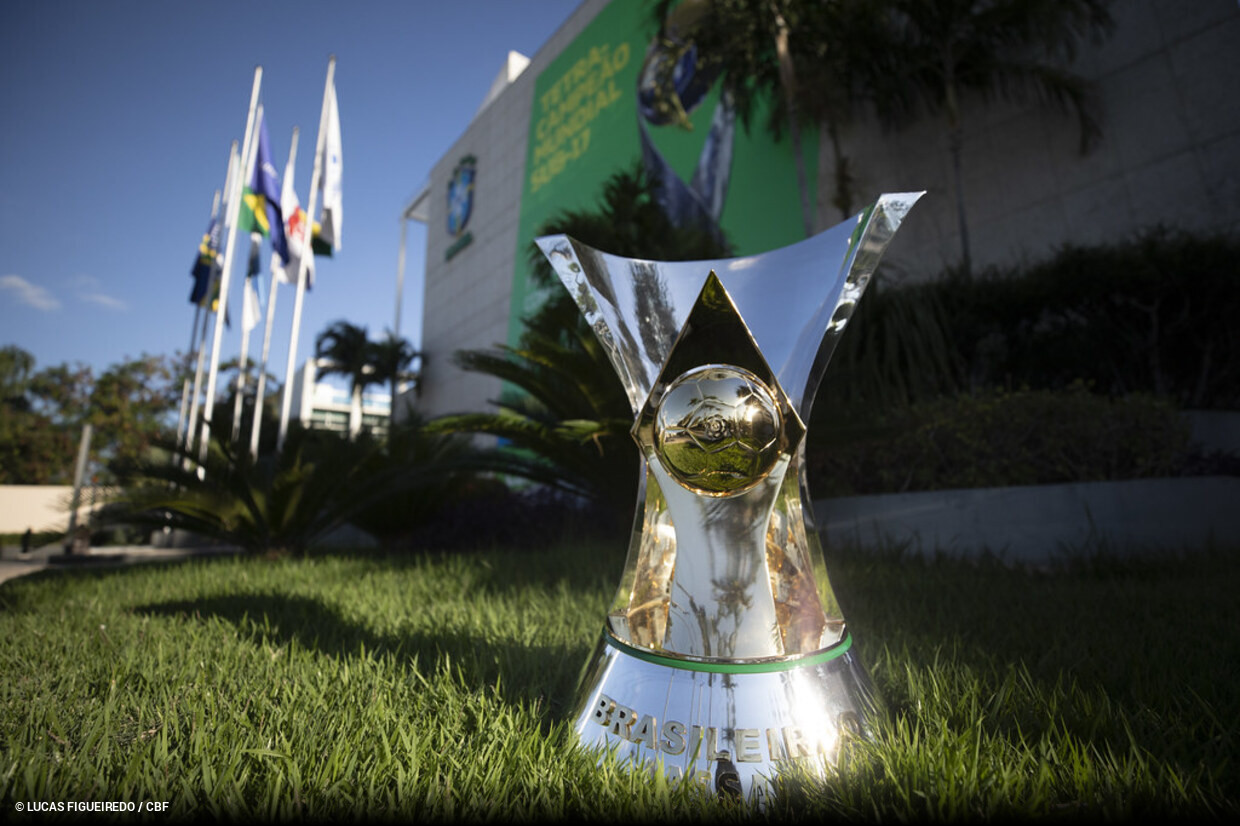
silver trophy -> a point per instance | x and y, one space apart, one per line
725 655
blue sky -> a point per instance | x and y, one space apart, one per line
118 117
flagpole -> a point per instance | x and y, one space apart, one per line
194 342
245 346
238 403
193 328
234 204
186 383
257 422
192 424
260 390
307 251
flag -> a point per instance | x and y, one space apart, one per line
250 308
206 264
260 204
326 238
296 220
252 266
214 301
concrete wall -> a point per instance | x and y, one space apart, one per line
1169 93
1033 523
467 298
39 507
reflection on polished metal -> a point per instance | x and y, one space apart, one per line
725 653
717 430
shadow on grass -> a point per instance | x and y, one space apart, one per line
543 675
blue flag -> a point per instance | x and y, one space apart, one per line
207 264
260 203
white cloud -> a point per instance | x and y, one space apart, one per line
87 287
30 294
104 301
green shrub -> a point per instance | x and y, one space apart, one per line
999 438
1152 314
284 503
898 348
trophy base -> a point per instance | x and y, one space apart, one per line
729 726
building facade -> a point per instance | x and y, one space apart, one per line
320 405
553 128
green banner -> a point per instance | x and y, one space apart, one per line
588 122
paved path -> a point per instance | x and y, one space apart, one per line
14 564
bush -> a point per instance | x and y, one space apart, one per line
999 438
402 509
1153 314
487 514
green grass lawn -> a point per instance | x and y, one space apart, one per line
436 688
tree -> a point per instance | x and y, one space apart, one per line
841 52
63 393
15 368
130 405
226 405
33 450
345 349
756 49
40 419
564 414
391 358
1009 50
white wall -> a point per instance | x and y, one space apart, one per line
1169 89
39 507
467 298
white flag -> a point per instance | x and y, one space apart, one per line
332 167
295 231
250 310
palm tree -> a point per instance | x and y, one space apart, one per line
345 349
563 417
1010 50
391 358
748 43
282 503
842 63
279 504
816 62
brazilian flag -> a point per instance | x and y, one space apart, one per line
260 203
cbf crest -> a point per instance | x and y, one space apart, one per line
461 195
